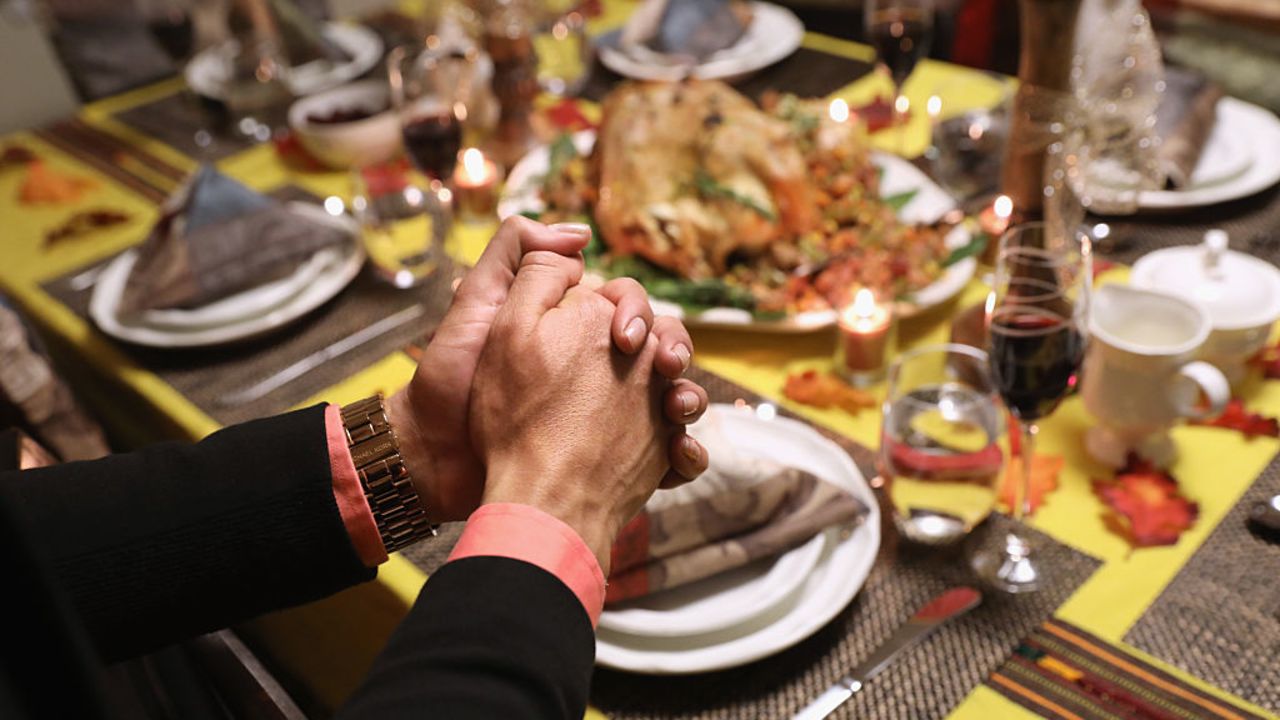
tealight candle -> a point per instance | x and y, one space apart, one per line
866 334
475 185
993 220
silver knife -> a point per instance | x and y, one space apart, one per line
952 603
320 357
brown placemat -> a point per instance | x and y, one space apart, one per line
1219 619
206 375
177 117
927 683
807 73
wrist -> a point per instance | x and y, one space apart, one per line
418 455
517 483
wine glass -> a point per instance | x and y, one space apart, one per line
431 109
900 31
1037 319
938 451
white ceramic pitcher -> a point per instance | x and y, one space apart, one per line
1141 374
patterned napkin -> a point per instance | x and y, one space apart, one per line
744 509
216 237
1184 120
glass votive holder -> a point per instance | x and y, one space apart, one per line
475 186
866 335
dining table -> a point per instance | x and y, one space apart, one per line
1192 628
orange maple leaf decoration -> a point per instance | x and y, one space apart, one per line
566 115
825 390
44 185
1235 417
1045 470
1150 511
1269 360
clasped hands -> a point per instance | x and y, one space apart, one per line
537 390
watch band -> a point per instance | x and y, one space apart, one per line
397 509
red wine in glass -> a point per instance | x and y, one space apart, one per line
901 36
433 142
1035 355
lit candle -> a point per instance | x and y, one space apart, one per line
475 185
993 220
838 110
866 332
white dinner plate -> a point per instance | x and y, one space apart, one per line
717 602
774 33
246 304
209 70
842 568
339 266
521 194
1239 159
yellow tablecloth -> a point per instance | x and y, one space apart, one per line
329 643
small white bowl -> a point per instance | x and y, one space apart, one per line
346 145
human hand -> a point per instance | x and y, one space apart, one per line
430 414
564 423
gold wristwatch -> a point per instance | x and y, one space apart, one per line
397 509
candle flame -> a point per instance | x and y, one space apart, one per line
864 304
473 165
1003 207
839 110
902 104
934 106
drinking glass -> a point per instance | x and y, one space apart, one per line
939 455
900 31
432 104
403 224
1037 331
170 24
969 123
563 47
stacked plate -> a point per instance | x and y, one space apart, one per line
249 313
768 606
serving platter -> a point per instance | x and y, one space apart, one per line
930 202
841 569
774 33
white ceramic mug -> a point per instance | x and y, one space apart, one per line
1141 374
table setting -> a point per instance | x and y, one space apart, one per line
993 361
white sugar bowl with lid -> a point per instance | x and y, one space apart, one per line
1241 293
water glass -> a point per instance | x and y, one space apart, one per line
564 50
403 222
939 455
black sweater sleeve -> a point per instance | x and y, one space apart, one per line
179 539
488 637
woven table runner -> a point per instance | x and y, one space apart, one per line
927 683
1063 671
1219 619
205 376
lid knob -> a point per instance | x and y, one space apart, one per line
1215 244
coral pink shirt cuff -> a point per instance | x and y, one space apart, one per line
522 532
352 503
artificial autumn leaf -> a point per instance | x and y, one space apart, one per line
1235 417
45 185
824 390
1100 266
878 114
1045 470
83 223
16 156
1269 360
1149 509
566 115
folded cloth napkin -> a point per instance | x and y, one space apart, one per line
216 237
1184 120
674 544
694 29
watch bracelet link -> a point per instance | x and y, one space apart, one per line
398 511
